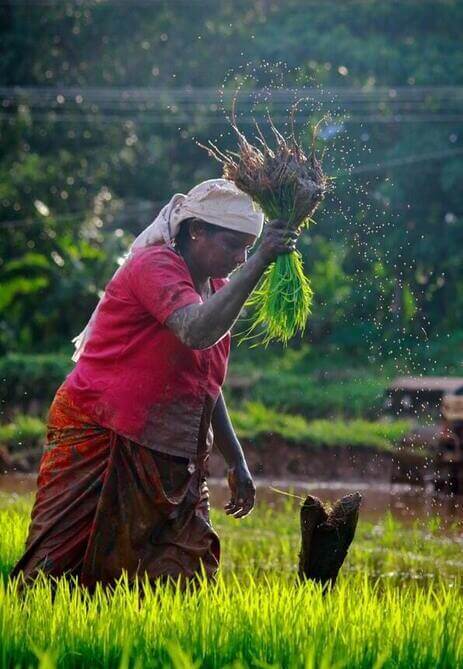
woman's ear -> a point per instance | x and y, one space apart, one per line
195 229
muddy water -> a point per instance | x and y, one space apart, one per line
406 503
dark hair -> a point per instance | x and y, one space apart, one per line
183 236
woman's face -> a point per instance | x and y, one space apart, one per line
218 253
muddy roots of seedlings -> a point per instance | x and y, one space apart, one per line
287 185
326 537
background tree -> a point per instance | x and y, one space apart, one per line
100 105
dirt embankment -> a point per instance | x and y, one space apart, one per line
271 456
275 458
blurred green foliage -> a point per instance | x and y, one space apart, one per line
254 420
82 172
359 395
23 433
25 378
302 381
352 393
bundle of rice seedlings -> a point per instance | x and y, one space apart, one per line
287 185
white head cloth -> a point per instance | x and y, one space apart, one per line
216 201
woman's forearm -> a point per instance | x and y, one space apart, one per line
202 325
224 435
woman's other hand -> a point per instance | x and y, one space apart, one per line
243 492
276 240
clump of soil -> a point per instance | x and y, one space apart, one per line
326 537
283 180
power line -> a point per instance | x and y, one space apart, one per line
164 119
148 105
161 105
213 105
155 97
191 91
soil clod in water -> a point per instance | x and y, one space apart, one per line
326 537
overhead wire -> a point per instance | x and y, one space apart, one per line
152 105
164 119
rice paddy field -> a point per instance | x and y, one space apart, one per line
398 603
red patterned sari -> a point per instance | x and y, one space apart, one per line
105 505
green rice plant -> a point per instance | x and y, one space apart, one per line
267 541
287 185
253 622
398 604
14 521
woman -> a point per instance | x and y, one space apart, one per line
122 481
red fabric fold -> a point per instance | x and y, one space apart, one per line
106 505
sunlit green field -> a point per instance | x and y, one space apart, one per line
398 603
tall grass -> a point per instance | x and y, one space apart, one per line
398 603
255 622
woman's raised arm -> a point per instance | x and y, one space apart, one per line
200 326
